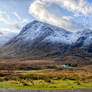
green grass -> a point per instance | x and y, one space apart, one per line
44 79
41 84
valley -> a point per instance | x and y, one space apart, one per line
45 45
46 77
43 56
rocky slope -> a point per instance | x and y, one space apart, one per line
39 40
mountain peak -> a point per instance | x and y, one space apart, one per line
39 40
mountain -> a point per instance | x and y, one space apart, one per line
42 41
83 45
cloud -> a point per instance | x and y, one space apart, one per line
16 14
9 27
76 6
19 18
2 17
12 21
47 11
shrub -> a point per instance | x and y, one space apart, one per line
74 77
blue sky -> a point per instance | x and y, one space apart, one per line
72 15
14 14
89 1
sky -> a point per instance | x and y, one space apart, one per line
72 15
14 14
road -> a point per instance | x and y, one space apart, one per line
52 90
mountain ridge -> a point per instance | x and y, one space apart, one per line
39 40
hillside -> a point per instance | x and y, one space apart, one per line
42 41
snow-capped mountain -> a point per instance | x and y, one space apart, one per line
38 37
49 33
85 37
39 40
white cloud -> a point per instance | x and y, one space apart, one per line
77 6
10 25
2 17
41 9
19 18
12 21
